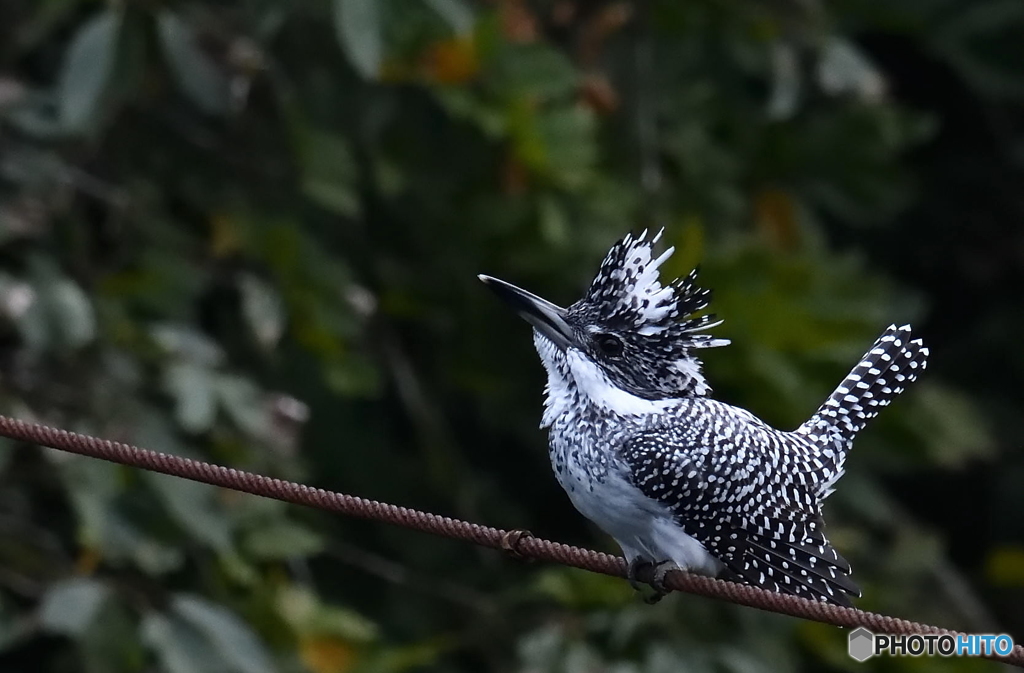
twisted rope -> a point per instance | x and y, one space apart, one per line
523 545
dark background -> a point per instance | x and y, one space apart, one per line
249 232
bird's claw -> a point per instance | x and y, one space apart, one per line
658 574
510 543
633 572
661 571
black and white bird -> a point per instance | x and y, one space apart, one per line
678 479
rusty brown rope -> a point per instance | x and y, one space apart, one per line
525 546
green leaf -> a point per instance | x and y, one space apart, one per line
94 486
329 172
58 314
70 606
455 12
123 540
191 386
579 589
355 377
188 342
263 310
244 403
357 24
786 80
180 648
463 103
232 638
413 657
542 648
845 68
73 316
581 658
283 540
112 644
535 71
240 570
307 614
950 423
554 224
193 506
86 73
200 77
568 145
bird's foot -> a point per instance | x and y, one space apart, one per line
661 571
633 572
658 574
510 543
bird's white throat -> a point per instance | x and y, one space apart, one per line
570 371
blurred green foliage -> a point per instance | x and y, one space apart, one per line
248 231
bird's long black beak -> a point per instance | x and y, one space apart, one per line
546 317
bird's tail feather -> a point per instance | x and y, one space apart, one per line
885 370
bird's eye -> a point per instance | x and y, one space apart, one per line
609 344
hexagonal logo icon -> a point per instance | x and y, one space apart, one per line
862 644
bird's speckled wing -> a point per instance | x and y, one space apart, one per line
746 502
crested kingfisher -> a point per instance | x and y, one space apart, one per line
678 479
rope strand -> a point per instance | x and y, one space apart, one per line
524 545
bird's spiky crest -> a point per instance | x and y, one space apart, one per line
631 296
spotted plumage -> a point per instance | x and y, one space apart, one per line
672 474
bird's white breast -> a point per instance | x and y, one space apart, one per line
586 465
642 526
